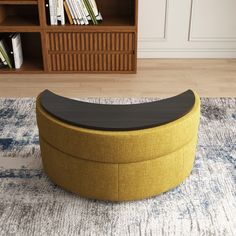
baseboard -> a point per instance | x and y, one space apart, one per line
187 53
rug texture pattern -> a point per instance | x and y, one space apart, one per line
204 204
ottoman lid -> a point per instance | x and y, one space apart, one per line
117 117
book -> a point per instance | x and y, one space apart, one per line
8 41
95 9
85 10
78 13
90 11
60 12
72 11
17 50
53 11
5 52
68 13
84 17
3 60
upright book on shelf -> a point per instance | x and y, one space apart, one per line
68 13
90 11
60 12
2 60
83 13
77 12
53 11
6 53
73 14
17 50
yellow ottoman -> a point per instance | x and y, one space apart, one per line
118 152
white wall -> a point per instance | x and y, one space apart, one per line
187 28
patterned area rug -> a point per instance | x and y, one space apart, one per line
205 204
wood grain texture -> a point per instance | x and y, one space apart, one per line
103 51
21 2
155 78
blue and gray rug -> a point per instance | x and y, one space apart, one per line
205 204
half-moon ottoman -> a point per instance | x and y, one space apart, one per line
118 152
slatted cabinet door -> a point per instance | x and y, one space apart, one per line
91 51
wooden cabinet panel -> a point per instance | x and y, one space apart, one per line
91 51
93 62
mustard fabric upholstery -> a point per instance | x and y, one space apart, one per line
118 165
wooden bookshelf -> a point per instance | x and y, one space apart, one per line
109 47
16 2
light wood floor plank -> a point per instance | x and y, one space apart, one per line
155 78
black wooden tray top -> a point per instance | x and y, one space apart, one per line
117 117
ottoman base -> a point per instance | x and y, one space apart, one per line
118 182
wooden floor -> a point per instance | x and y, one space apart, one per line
155 78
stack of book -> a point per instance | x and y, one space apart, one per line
79 12
11 55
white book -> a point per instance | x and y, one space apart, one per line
3 59
82 12
78 14
99 17
85 10
17 50
53 11
60 12
75 12
72 12
94 7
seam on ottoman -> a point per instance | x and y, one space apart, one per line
103 162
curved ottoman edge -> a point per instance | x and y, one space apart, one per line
118 182
130 146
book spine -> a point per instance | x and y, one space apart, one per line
53 12
82 12
79 16
17 51
91 13
85 10
5 55
3 59
94 7
60 12
10 47
68 13
71 11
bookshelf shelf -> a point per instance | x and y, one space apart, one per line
15 2
109 47
16 21
29 66
112 21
